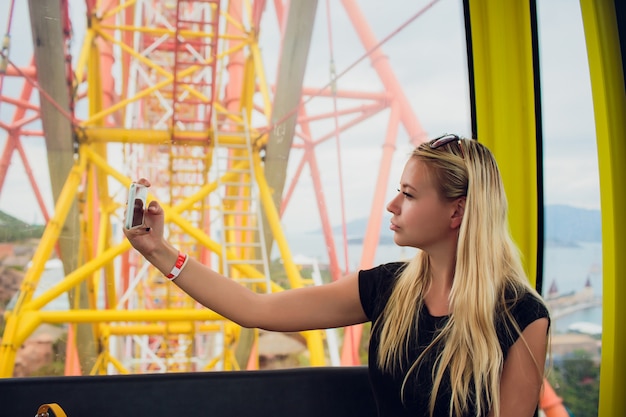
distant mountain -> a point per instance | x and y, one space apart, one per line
564 225
355 229
13 230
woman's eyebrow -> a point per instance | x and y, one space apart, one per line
406 185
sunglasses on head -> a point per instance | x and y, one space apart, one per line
444 140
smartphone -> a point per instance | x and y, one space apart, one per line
137 195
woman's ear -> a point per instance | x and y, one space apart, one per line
459 211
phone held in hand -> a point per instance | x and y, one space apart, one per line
137 195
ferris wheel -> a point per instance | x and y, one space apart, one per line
176 91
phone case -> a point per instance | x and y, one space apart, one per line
137 195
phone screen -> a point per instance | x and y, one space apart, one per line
137 195
137 213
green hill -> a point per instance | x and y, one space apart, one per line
15 230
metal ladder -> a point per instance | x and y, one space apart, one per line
194 71
241 232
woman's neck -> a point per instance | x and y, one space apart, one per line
438 294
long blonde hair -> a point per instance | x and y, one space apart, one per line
488 264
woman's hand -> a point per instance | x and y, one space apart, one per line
149 237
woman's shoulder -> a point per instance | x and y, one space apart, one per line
525 305
375 286
522 307
383 270
381 276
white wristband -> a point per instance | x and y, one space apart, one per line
181 261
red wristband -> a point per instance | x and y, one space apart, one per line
181 261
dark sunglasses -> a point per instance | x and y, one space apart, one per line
444 140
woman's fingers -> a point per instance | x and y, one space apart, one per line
144 181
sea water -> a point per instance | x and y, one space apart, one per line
570 268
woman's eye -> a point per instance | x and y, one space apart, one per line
405 194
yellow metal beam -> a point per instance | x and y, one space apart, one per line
23 320
150 136
111 316
97 254
609 101
505 109
178 327
313 338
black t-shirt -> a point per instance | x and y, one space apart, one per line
375 286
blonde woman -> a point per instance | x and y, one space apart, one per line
457 331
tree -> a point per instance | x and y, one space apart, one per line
576 379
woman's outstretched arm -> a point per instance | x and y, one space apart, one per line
331 305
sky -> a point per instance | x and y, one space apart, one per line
429 60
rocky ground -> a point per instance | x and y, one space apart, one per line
37 351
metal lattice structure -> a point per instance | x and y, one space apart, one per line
171 87
168 90
167 63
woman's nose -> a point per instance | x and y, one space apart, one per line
392 206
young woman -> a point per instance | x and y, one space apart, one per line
457 331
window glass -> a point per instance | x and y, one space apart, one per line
422 56
427 60
427 63
572 282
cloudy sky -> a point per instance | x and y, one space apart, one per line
429 60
